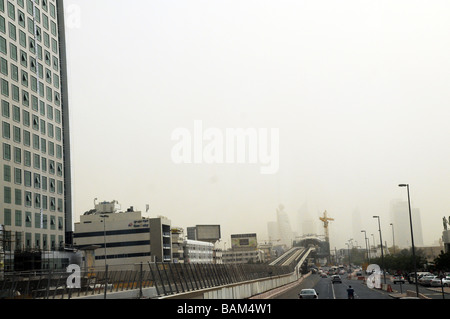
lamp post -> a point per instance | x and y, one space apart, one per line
393 239
412 239
348 252
374 247
365 240
381 246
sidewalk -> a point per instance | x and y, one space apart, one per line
410 293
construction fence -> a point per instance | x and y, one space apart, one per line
165 278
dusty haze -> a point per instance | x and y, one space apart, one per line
359 91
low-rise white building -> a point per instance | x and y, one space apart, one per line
196 251
242 256
123 238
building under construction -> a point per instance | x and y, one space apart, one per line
16 258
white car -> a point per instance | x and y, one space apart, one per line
336 278
398 278
426 280
308 294
436 282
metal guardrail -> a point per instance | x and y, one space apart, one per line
166 278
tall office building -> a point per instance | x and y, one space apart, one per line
357 235
35 194
308 224
399 212
284 227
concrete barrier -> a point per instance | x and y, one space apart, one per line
242 290
410 293
147 293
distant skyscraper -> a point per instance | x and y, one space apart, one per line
35 195
284 227
402 231
307 223
357 227
272 230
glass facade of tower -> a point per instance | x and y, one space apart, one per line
35 201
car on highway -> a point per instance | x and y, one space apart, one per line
308 293
398 278
323 275
336 278
436 282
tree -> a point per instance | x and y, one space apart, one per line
442 262
400 262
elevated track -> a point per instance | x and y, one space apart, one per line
293 257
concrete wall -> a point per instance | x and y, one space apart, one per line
233 291
239 290
127 294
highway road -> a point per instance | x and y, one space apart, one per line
327 290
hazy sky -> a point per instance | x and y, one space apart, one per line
359 91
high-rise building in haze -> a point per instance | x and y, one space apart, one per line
284 227
35 195
308 225
399 212
272 231
280 232
357 227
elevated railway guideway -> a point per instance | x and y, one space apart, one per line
281 259
295 257
302 257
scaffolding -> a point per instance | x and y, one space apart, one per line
16 257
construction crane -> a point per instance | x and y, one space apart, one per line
325 220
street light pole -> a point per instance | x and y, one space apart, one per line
374 246
365 240
393 239
348 252
412 238
381 246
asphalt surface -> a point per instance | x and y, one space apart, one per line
328 290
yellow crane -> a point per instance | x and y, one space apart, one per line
325 220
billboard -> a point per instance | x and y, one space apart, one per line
244 241
210 233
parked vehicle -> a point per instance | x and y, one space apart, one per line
437 282
426 280
308 294
411 276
